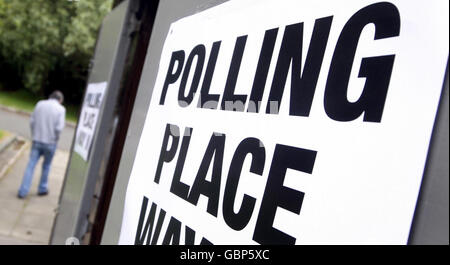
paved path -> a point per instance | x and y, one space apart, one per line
19 124
30 220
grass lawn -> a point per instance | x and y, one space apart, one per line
3 135
23 100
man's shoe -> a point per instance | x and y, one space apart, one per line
20 196
42 193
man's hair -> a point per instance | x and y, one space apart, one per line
57 95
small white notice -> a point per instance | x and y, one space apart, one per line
88 118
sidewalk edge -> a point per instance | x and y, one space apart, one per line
13 159
7 142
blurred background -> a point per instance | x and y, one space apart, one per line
45 45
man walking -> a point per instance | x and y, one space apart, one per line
47 123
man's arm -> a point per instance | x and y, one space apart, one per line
60 123
32 122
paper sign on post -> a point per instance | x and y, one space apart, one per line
289 122
88 118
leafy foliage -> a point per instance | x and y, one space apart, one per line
83 36
47 44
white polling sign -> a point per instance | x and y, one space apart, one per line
289 122
88 118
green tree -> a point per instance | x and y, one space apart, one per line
82 35
31 35
49 42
